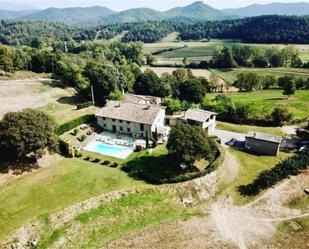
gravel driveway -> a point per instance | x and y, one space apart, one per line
228 136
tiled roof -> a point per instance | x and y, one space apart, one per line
198 115
132 112
264 137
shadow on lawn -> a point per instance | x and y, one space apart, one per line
156 170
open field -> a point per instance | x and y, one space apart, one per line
263 102
201 50
231 75
51 189
277 131
58 102
196 72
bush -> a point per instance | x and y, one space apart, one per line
87 158
96 160
84 105
74 123
114 165
64 148
89 133
75 132
78 154
82 138
106 162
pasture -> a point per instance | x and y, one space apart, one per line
230 75
201 50
41 93
262 103
66 182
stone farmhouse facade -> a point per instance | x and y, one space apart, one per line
140 116
264 144
135 119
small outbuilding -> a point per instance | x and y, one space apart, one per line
264 144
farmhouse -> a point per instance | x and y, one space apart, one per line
135 119
263 143
204 119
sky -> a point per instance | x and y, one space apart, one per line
127 4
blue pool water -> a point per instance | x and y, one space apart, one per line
116 151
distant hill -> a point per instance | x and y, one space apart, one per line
197 11
104 16
298 9
88 15
132 15
8 14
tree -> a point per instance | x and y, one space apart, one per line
26 132
223 58
242 54
103 80
280 115
192 90
148 83
189 144
287 83
267 81
247 81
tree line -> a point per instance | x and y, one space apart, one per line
261 29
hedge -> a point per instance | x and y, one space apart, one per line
89 118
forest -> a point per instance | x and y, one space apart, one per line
262 29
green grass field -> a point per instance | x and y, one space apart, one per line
277 131
201 50
249 167
51 189
231 75
263 102
116 219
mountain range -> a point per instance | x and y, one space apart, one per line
197 11
297 9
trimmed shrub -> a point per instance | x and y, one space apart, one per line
106 162
78 154
114 165
96 160
82 138
64 148
74 123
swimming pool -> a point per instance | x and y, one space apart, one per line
116 151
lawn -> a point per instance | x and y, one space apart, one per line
262 103
51 189
249 167
277 131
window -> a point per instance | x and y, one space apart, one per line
128 122
121 129
104 118
113 120
142 127
104 125
129 130
120 121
